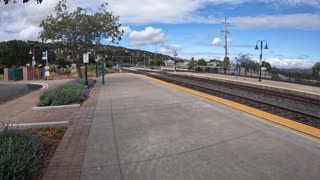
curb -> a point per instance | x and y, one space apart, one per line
57 107
38 125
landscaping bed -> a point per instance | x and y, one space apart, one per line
25 154
69 93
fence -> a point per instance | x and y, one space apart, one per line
279 75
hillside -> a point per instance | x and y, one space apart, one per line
17 53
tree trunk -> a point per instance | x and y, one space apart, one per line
79 70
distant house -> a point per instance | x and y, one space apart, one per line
215 63
183 65
168 63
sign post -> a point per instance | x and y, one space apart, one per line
47 73
103 69
33 68
86 61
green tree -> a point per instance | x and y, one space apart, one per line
316 70
202 62
152 63
14 53
75 30
266 65
251 65
243 57
192 63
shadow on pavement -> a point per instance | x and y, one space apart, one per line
12 91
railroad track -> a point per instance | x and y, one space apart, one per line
300 109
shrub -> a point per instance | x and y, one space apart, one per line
198 68
20 154
53 68
207 69
74 91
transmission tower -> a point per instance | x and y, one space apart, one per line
226 32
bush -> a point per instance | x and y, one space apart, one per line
198 68
53 68
207 69
20 154
74 91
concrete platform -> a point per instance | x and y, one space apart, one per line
144 130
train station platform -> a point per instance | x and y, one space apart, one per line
299 89
142 129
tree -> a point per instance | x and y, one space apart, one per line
14 53
250 64
266 65
192 64
316 70
202 62
226 63
74 31
24 1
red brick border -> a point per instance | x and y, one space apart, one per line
68 159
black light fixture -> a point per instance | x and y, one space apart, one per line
257 48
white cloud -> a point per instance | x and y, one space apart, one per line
126 30
150 11
29 33
290 63
216 41
305 21
17 19
148 36
278 3
21 21
168 11
170 49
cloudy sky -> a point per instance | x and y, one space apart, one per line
193 27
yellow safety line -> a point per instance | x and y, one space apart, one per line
266 85
271 117
285 128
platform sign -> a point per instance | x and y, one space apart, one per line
44 55
47 73
85 58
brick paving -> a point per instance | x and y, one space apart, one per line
20 110
68 158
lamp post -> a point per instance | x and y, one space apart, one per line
103 69
31 52
257 48
175 61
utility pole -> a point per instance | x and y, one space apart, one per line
226 32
